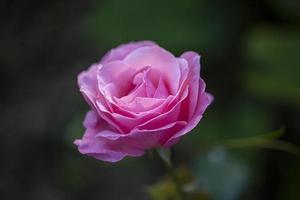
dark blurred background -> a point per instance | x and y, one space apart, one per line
250 61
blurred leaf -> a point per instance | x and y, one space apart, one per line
264 141
222 174
274 72
259 140
274 134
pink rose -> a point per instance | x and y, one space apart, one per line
141 97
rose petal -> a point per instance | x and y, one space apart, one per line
166 117
204 100
91 119
162 63
97 141
118 73
97 149
192 58
142 104
144 87
87 83
161 90
120 52
194 74
184 71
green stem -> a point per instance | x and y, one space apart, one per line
165 157
263 143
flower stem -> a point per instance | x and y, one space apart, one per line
165 156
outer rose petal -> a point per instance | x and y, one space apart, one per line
97 149
120 52
204 100
87 82
104 144
193 60
97 141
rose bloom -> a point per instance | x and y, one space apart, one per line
141 97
